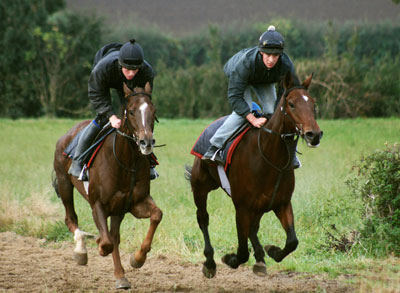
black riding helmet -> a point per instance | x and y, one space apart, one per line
131 55
271 42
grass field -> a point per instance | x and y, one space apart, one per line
29 205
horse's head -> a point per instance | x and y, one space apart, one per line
139 116
299 106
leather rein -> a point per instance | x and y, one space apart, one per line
288 138
130 138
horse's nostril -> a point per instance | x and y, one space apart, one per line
153 142
142 142
310 134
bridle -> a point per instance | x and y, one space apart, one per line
131 138
290 140
128 124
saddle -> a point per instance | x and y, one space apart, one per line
203 142
87 156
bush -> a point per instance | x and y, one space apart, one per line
378 184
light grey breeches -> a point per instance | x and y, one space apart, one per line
265 93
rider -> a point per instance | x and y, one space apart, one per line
258 69
113 65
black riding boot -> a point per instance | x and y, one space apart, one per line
295 162
153 163
213 154
87 136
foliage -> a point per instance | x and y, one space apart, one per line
45 56
378 184
18 18
61 54
197 91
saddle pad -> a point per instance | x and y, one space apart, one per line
203 141
91 151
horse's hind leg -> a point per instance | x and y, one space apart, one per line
202 183
145 209
64 189
285 215
119 272
259 267
200 199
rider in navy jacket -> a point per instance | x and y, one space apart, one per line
114 64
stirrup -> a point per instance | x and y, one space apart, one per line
84 176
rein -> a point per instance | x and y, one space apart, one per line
133 138
288 138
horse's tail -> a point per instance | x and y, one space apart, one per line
188 172
55 183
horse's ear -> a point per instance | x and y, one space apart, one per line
147 88
307 82
127 90
288 80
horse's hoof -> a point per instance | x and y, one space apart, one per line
230 260
260 269
134 263
106 249
81 258
209 273
122 283
272 251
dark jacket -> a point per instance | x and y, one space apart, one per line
247 68
107 74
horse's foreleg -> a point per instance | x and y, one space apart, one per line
119 272
259 267
105 244
243 231
145 209
285 215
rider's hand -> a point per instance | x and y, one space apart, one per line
256 122
115 121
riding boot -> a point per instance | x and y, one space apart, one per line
86 138
213 154
153 163
295 162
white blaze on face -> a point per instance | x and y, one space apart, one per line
142 109
305 98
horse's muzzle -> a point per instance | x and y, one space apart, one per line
313 138
146 146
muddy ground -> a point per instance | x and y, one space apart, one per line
29 265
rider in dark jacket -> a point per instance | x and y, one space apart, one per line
255 69
113 65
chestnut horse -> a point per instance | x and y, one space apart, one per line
119 183
261 178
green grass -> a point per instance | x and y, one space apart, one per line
29 206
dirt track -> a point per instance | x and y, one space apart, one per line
27 265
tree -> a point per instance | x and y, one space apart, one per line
64 52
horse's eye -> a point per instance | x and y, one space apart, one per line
131 113
291 105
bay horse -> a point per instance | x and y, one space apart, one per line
261 178
119 183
